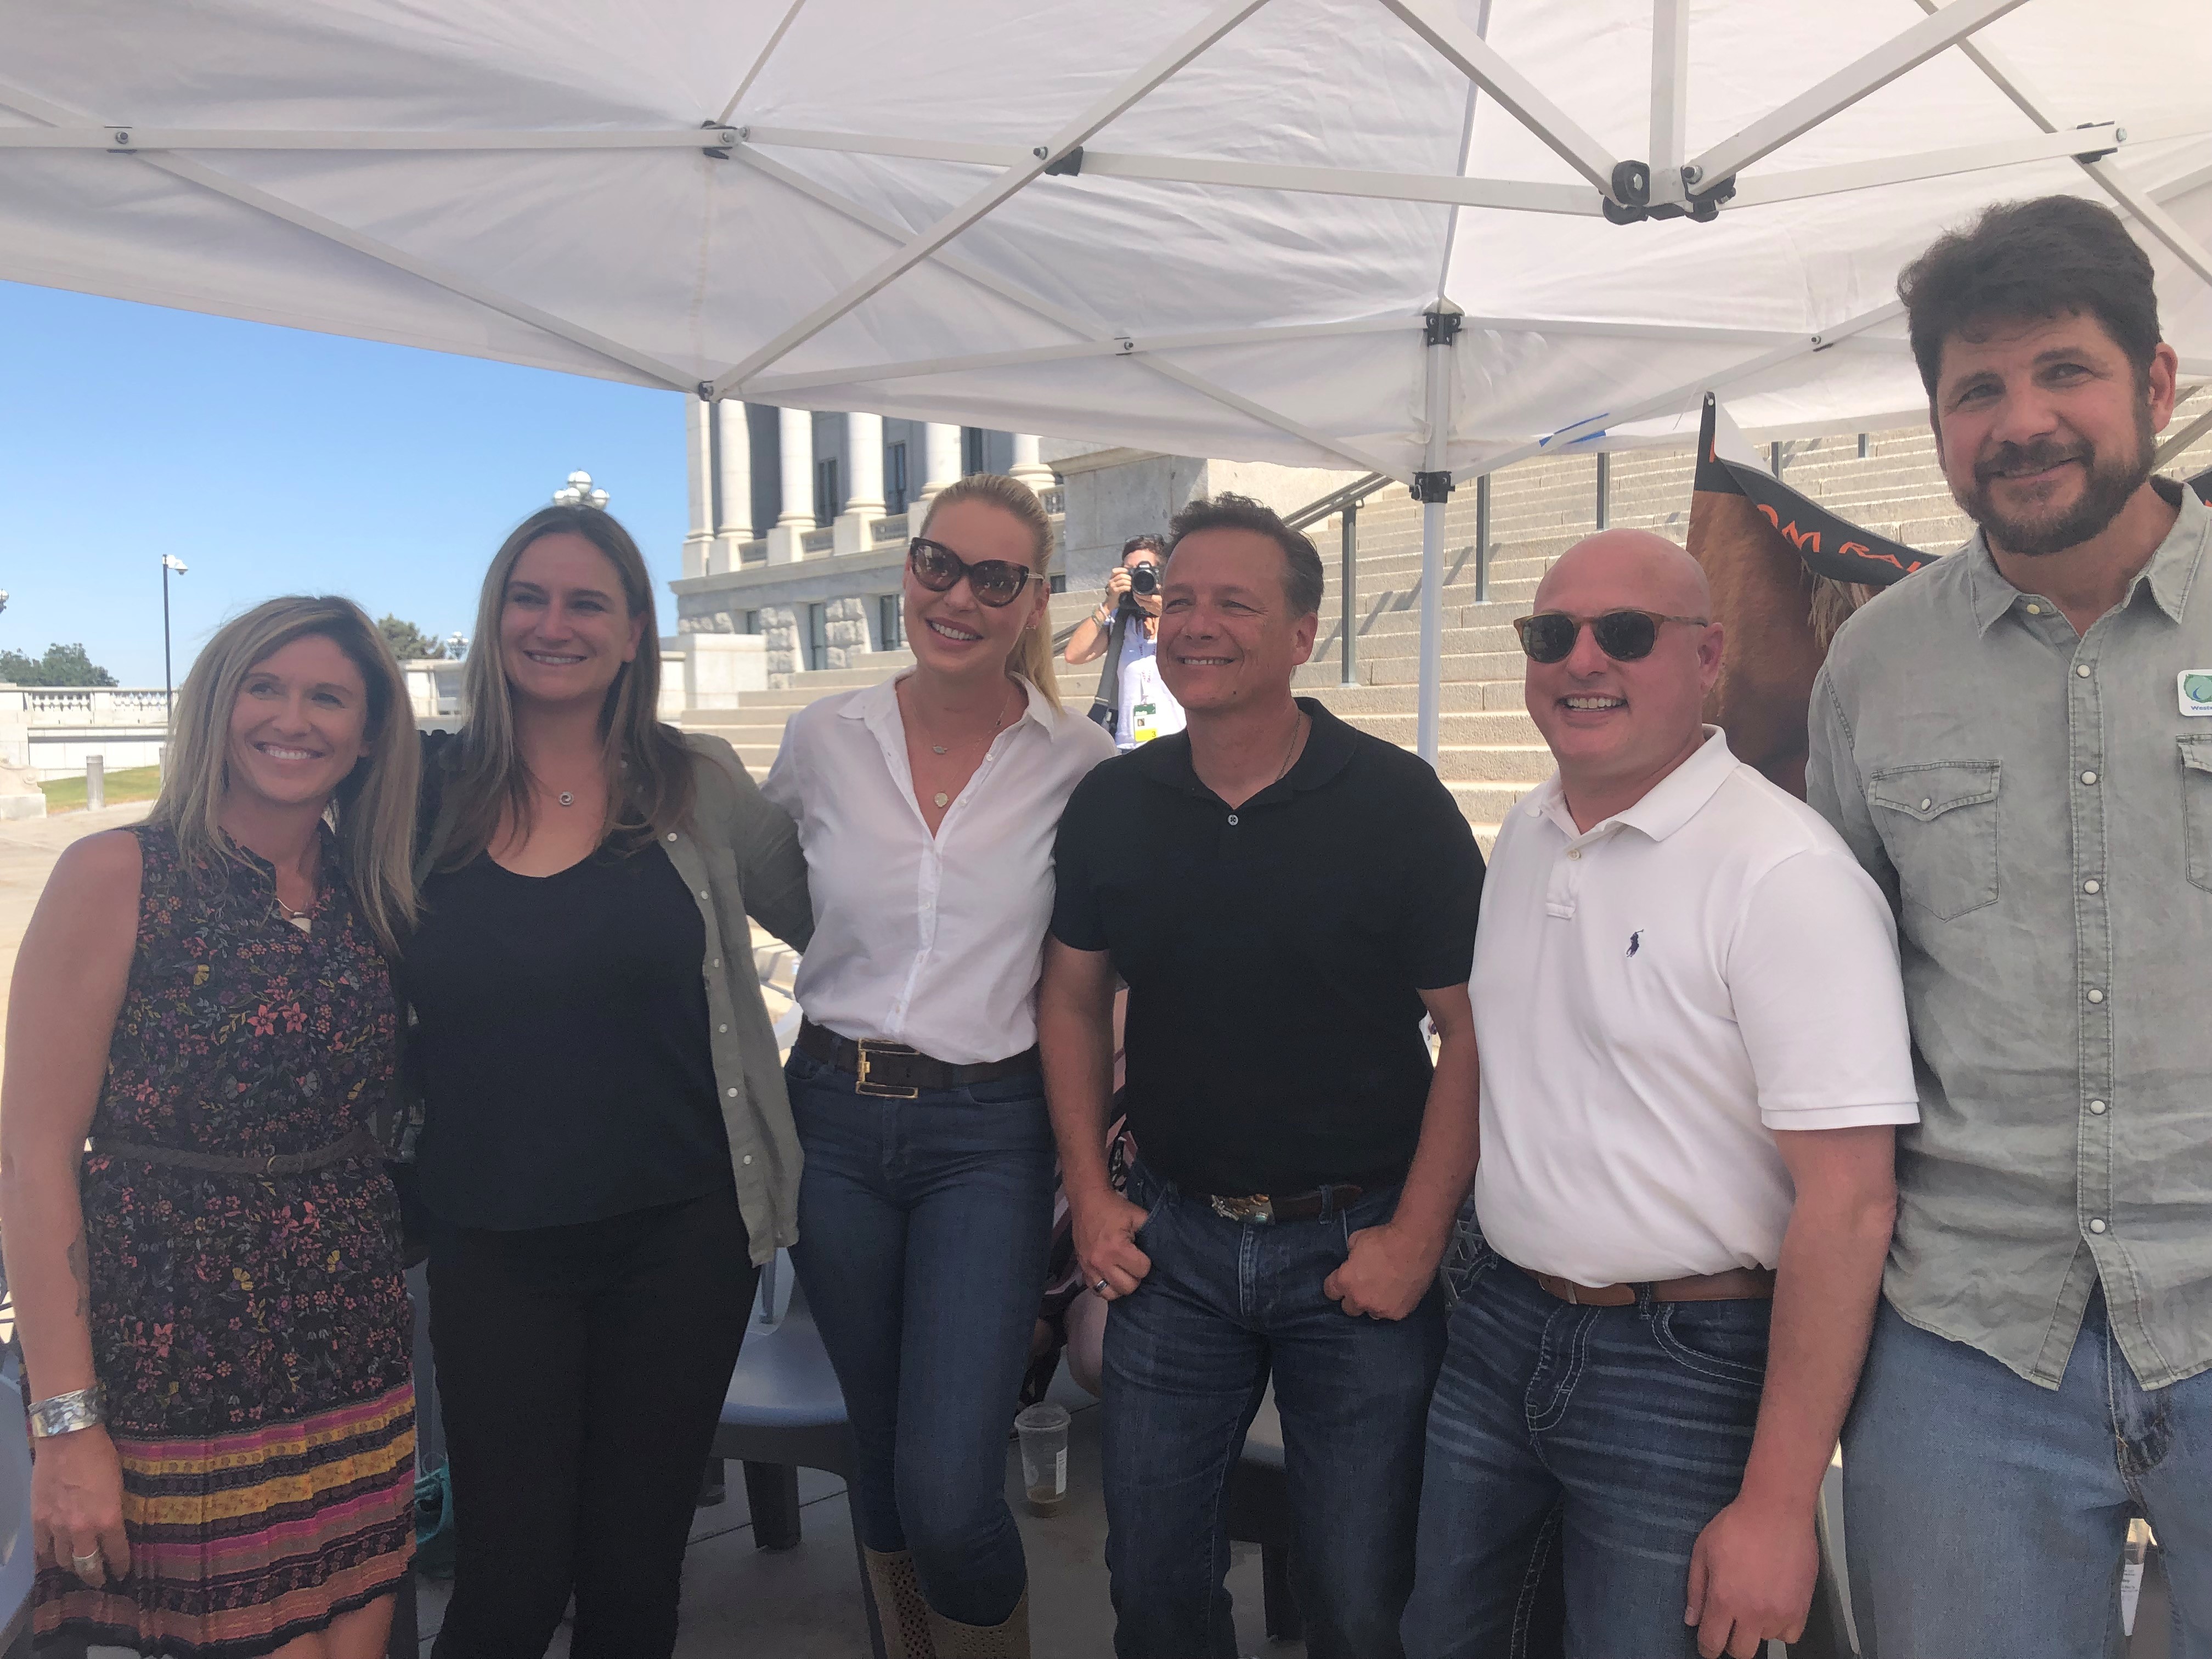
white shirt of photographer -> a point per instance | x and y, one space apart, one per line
937 942
1147 709
1653 999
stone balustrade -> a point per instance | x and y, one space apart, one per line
52 731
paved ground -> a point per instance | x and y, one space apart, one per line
29 848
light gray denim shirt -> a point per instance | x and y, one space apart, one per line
2038 808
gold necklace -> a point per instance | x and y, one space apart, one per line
941 799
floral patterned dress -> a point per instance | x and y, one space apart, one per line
254 1332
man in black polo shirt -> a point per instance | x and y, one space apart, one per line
1285 898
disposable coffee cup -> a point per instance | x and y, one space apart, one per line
1043 1430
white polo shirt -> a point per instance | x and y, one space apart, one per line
1653 998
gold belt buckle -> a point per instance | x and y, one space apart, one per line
861 1084
1258 1208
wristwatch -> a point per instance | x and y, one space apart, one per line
1103 617
65 1414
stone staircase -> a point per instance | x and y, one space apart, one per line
1489 751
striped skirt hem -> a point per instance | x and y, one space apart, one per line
241 1543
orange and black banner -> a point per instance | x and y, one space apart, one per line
1830 546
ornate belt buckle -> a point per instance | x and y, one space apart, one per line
863 1085
1258 1208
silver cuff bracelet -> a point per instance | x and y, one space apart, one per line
65 1414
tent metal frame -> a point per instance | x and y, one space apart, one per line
1663 184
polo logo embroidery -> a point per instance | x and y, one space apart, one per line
2196 688
1636 941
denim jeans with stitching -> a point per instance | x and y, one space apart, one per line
1612 1435
923 1229
1187 1360
1984 1515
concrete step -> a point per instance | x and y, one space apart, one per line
1356 702
1518 765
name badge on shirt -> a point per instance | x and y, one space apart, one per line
2195 686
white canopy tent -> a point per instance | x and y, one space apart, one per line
1422 238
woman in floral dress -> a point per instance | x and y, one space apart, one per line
214 1322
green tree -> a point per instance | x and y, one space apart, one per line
408 643
63 665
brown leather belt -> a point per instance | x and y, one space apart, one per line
359 1144
1301 1207
1736 1284
892 1071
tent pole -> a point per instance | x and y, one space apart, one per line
1433 488
1347 593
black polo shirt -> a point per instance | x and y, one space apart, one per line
1273 954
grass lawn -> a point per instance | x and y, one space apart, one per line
132 783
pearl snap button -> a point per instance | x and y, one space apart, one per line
2082 669
1925 802
2096 1109
2035 610
2088 777
2096 996
2097 1225
748 1158
732 1094
2089 886
671 835
1574 852
721 1027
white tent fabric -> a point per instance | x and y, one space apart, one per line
1209 227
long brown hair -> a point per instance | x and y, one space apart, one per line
1032 659
648 768
373 810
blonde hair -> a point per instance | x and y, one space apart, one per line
648 768
372 809
1033 658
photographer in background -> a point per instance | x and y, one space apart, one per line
1133 703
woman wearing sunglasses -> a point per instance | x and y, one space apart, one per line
927 807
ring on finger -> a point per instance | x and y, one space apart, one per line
84 1565
1103 1286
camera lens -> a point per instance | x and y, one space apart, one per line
1143 578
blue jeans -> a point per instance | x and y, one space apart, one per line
1187 1362
1612 1434
924 1226
1983 1515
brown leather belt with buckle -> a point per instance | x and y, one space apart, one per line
1302 1206
892 1071
1736 1284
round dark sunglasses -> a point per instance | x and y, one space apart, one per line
994 582
1623 635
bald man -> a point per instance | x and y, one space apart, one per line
1693 1056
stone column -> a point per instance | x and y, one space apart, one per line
699 451
863 493
733 470
1029 464
794 436
940 460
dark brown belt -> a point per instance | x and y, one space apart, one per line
1299 1207
1736 1284
359 1144
892 1071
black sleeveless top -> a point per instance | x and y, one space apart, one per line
563 1043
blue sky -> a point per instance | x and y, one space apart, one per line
272 461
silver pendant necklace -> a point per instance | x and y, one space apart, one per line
568 798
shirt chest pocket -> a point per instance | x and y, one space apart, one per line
2196 808
1939 820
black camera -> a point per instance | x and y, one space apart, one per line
1145 577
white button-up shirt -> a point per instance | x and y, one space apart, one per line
936 942
1656 995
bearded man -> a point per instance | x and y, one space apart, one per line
2013 743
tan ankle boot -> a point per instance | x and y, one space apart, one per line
1009 1639
903 1615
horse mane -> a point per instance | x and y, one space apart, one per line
1831 604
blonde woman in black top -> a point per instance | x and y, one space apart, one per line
606 1148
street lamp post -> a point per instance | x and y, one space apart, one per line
169 562
578 492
